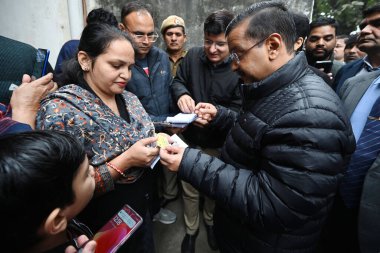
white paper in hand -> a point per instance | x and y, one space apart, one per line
178 141
182 118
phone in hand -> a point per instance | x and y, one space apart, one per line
325 65
41 63
117 230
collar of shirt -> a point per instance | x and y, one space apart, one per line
368 65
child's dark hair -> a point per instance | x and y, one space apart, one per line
36 175
94 41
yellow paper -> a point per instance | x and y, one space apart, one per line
162 141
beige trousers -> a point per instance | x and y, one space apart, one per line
169 183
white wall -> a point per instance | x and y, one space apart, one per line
40 23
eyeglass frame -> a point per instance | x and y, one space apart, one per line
236 58
139 37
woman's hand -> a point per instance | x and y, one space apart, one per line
142 153
171 157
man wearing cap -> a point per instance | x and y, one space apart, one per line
173 30
205 75
150 79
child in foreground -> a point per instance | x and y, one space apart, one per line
45 181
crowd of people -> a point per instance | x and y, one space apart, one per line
283 151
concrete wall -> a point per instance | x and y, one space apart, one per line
194 12
46 24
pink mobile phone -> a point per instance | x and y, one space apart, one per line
117 230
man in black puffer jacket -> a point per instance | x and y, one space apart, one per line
286 150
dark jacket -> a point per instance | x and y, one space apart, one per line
347 71
322 75
351 93
205 82
68 51
153 91
16 59
281 162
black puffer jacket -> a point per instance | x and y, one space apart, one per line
282 161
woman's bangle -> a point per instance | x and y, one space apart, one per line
112 166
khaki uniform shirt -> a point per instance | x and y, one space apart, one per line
174 65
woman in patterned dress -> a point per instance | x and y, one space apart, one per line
117 133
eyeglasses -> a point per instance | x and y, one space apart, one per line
235 57
218 44
140 37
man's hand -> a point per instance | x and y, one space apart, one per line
206 112
25 100
171 157
186 104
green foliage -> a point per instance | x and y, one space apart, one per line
348 13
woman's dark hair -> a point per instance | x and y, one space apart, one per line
95 39
217 22
36 175
265 18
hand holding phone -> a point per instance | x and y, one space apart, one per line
325 65
42 57
117 230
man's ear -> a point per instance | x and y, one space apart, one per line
55 223
122 27
274 44
84 60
